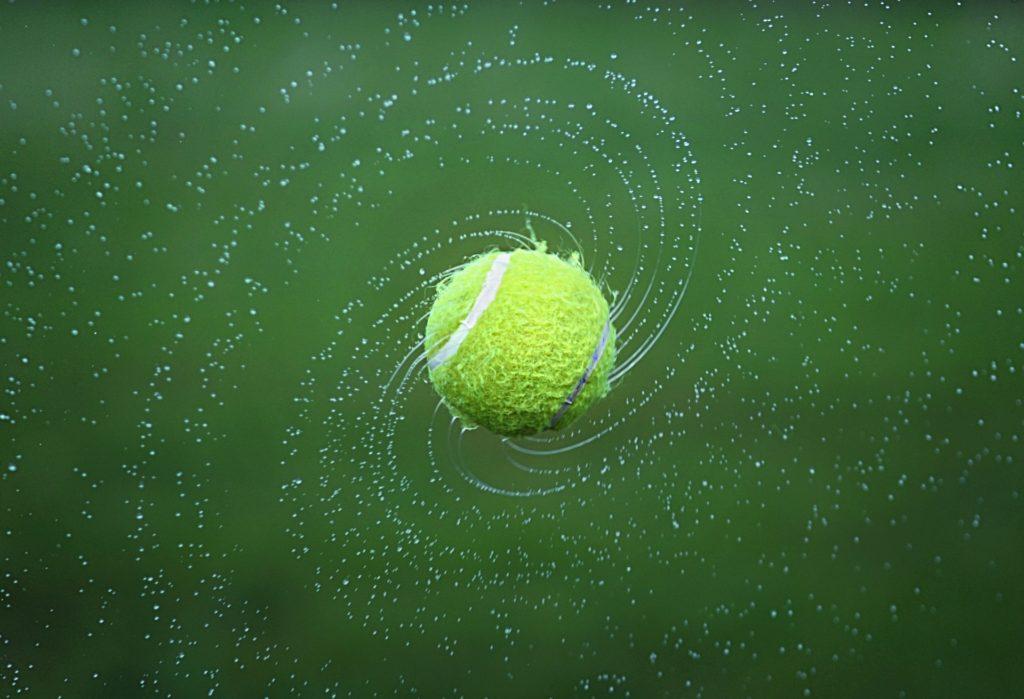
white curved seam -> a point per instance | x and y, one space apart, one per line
487 293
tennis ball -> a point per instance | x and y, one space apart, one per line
519 342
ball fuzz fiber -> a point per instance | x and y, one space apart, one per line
520 342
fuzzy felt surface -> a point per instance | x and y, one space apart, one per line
528 349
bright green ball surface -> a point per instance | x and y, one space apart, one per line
528 350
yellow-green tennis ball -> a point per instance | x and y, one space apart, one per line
520 342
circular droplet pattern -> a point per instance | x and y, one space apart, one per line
222 227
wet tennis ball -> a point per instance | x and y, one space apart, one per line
519 342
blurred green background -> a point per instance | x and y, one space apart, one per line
220 226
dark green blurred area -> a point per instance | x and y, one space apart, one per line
814 482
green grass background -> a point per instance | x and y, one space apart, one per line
818 486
